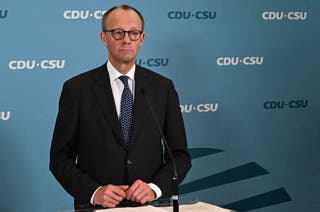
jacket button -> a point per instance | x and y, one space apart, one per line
129 162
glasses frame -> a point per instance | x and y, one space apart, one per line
129 32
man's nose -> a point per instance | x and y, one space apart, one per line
126 37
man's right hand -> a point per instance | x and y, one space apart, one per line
109 196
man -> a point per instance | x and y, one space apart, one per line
106 149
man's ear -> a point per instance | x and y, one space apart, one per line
103 38
142 38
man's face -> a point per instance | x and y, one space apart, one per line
123 50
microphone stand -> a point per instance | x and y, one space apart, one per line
175 193
175 184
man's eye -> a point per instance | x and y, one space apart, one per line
118 32
135 33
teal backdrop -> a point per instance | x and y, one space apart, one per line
247 73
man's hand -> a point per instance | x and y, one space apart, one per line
140 192
109 196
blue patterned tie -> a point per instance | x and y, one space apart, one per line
126 109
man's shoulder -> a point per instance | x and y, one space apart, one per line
152 75
87 76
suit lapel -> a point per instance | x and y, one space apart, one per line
103 91
139 104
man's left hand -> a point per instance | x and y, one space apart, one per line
140 192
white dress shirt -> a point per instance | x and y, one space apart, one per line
117 85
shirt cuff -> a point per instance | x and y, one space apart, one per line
91 200
156 190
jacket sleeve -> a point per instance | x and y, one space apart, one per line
63 152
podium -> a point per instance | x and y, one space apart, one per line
194 207
198 207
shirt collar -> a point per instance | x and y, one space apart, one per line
114 74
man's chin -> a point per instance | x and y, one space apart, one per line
127 60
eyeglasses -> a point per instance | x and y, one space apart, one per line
118 34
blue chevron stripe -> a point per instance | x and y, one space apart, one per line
274 197
245 171
201 152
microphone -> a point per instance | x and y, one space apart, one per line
175 185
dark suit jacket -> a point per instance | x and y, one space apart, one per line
88 149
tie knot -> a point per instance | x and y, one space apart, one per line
124 80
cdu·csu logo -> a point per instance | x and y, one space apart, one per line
83 14
280 15
201 108
3 13
234 61
46 64
5 116
153 62
186 15
283 104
